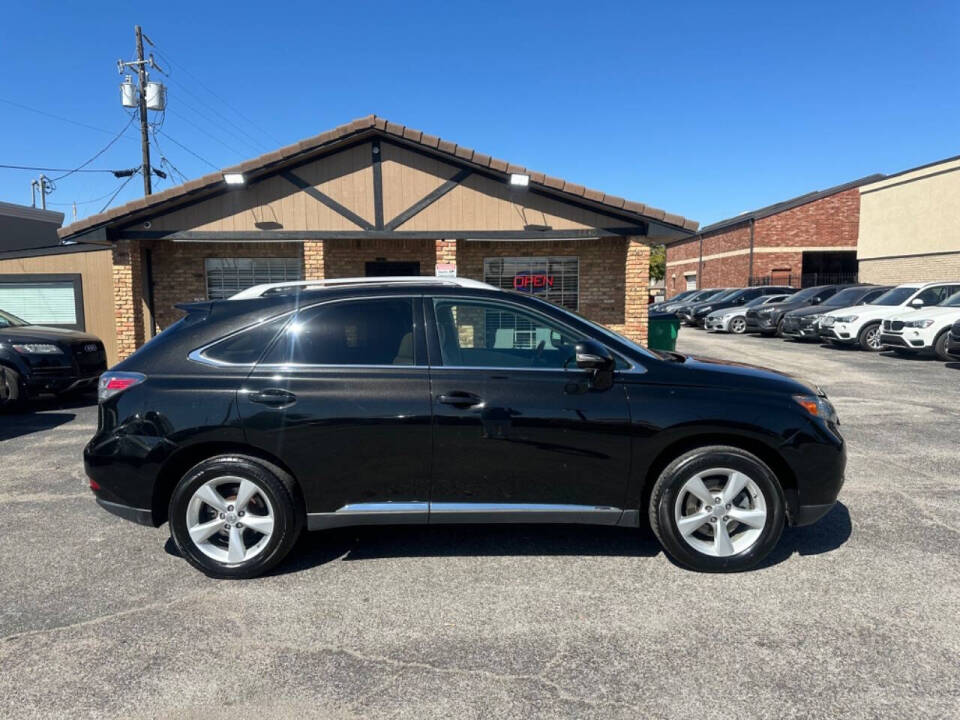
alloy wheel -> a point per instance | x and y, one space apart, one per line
230 519
738 325
873 338
720 512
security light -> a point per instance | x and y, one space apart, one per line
234 178
519 179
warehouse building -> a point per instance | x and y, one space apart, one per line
910 225
807 240
376 198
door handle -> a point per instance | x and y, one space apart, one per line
274 397
460 399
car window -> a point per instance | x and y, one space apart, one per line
490 334
953 300
241 348
934 295
353 332
872 295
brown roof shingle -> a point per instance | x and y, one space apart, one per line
368 124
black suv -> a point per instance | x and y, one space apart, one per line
953 340
804 323
698 313
448 401
37 359
768 319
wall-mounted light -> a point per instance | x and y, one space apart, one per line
234 178
519 179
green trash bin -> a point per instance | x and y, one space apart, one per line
662 331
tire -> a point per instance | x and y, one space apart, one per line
869 337
779 331
12 390
273 497
940 347
737 325
698 547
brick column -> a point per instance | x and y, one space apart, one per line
313 261
128 297
637 290
447 252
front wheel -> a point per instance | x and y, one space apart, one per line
738 325
869 337
234 516
940 347
717 509
12 391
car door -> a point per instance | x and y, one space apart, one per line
343 399
518 428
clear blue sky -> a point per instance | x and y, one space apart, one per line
703 109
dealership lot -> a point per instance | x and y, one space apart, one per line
852 617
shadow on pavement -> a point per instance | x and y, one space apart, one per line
13 426
374 542
908 356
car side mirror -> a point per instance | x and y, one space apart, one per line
597 360
916 302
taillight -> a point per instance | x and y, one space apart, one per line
112 383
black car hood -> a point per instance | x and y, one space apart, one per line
813 310
698 370
783 306
42 333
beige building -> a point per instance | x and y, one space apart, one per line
377 198
910 225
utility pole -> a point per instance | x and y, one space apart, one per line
144 138
149 96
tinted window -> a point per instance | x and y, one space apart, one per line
845 298
242 348
873 295
935 295
356 332
805 295
486 334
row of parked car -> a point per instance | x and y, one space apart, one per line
909 319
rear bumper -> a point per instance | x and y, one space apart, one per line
141 516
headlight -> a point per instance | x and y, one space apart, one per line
918 323
847 318
828 321
37 349
706 309
818 406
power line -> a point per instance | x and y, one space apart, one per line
66 170
56 117
208 134
101 152
184 147
248 139
122 186
91 200
205 87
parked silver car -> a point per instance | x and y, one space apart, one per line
733 319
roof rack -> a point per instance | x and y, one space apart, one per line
275 288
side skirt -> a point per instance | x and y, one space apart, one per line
421 513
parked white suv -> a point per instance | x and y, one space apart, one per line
922 331
861 324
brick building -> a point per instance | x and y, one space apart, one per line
376 198
808 240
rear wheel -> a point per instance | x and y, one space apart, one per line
717 509
738 325
12 391
234 517
869 337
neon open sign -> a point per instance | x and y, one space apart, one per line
532 282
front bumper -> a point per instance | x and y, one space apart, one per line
761 324
61 381
899 341
715 324
838 334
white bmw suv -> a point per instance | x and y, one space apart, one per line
862 324
922 331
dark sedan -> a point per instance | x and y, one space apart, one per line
768 320
36 359
804 323
688 311
448 401
698 313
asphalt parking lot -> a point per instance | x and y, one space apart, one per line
853 617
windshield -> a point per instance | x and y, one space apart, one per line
952 301
805 295
702 295
8 320
846 298
725 294
897 296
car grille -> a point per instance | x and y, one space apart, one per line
89 356
893 325
791 323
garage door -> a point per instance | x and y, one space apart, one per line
41 301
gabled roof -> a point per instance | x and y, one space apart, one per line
784 205
368 126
